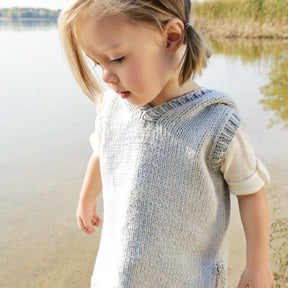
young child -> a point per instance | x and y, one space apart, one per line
167 153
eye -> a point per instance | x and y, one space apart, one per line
118 60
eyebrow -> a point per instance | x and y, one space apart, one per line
114 46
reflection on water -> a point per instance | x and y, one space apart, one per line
249 51
20 24
274 53
276 92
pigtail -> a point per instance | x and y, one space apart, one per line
196 55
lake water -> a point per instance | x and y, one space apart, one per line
45 125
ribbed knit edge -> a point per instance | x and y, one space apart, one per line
221 143
149 113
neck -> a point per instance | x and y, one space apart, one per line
175 91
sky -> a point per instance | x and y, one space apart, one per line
50 4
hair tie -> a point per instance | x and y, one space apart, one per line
188 25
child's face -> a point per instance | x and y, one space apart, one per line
133 59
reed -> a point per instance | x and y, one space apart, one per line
259 10
242 18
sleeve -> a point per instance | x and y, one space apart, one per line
243 171
96 136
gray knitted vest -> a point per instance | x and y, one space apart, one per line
166 204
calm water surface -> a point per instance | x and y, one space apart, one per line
45 125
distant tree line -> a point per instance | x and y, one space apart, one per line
29 13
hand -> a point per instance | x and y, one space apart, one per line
87 217
257 277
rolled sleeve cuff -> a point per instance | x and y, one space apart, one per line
253 183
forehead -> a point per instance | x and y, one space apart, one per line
99 36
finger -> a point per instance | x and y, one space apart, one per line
88 225
96 221
95 217
242 284
85 228
81 225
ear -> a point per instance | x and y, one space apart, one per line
174 33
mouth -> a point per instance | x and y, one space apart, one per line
123 94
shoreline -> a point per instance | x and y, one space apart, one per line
237 29
27 19
216 29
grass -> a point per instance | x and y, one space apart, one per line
242 18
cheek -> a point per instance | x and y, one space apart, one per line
146 72
134 74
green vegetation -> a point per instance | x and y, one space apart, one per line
260 10
29 13
242 18
275 91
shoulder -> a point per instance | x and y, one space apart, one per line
224 107
227 121
216 109
219 100
207 99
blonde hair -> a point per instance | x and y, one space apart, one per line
145 11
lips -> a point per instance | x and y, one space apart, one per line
123 94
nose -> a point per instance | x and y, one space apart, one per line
109 77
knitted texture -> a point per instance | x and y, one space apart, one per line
166 204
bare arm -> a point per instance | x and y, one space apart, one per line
91 188
255 219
